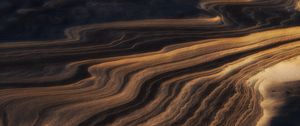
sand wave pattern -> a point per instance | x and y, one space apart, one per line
150 63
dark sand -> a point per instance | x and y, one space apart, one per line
149 62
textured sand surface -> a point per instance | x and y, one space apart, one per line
150 63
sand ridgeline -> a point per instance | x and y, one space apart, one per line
234 63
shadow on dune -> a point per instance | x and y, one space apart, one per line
289 113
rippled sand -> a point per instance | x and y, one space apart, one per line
174 63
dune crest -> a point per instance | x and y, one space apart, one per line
150 63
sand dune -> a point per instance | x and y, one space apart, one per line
233 63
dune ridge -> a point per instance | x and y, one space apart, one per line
214 70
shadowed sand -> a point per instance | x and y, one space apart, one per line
150 63
276 85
